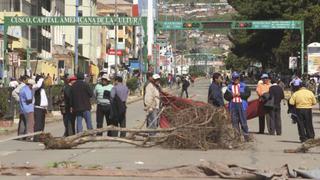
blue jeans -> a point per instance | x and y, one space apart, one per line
238 116
87 116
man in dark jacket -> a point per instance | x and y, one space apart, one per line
185 86
276 95
80 102
65 107
119 96
215 96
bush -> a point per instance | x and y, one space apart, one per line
163 82
132 84
4 97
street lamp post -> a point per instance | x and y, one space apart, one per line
116 38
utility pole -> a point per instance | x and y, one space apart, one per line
116 38
76 39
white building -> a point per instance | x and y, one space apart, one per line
88 35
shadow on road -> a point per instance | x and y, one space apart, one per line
286 141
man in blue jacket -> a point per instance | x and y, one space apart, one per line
215 96
237 94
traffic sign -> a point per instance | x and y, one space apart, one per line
266 25
170 25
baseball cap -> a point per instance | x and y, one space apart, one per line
235 75
297 82
31 82
105 76
156 76
72 78
264 76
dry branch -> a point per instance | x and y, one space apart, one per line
305 147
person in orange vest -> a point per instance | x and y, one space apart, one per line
262 88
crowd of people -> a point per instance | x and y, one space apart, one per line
270 92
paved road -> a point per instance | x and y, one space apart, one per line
266 152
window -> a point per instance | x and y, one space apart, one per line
80 46
61 64
80 33
80 13
120 27
16 5
80 2
120 40
46 44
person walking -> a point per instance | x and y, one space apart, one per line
276 94
119 96
80 102
215 96
152 102
27 106
65 107
102 93
237 94
261 89
185 86
40 106
303 99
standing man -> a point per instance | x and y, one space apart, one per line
215 91
80 102
119 96
261 89
65 107
237 94
15 94
149 79
27 106
40 106
185 86
102 93
152 102
303 99
276 92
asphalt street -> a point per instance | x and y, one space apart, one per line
265 152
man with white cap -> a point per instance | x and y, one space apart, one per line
102 93
152 102
27 106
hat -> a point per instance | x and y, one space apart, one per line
105 76
264 76
31 82
156 76
72 78
235 75
297 82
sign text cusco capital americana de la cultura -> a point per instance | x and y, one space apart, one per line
71 20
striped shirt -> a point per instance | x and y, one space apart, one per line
236 90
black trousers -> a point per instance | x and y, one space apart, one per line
275 121
103 111
69 121
22 128
305 126
262 124
184 90
39 119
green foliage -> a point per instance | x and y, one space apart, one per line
272 47
4 105
163 81
132 84
194 71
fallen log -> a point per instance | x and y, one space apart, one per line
305 147
205 170
51 142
